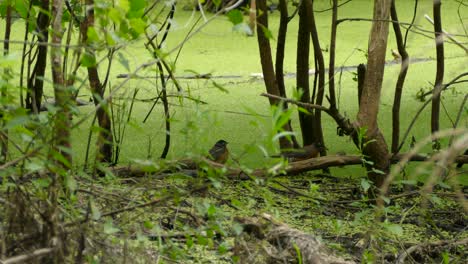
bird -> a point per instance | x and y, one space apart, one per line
219 153
306 152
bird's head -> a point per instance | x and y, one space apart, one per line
221 143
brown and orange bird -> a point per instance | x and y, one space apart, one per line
306 152
219 153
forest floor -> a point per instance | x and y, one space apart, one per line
203 221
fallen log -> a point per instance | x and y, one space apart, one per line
190 167
280 244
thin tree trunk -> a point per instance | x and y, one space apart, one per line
35 81
23 55
280 47
105 138
252 16
267 61
320 69
361 76
3 92
302 77
375 146
440 67
400 80
331 65
61 134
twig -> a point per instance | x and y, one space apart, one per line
443 243
22 258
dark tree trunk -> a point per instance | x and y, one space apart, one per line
440 67
280 47
35 81
302 77
267 61
320 68
361 76
331 66
105 138
3 92
400 80
375 146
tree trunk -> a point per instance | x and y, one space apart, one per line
331 66
3 92
252 15
35 81
267 61
440 68
280 47
375 146
62 137
400 80
317 123
105 138
302 77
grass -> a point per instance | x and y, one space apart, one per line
218 50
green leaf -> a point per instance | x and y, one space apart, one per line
114 15
235 16
138 25
267 32
124 5
123 61
70 182
109 228
216 2
137 5
92 35
148 224
201 240
444 185
3 8
394 229
378 171
110 39
22 8
88 60
95 213
223 248
365 184
34 166
44 183
386 199
237 228
211 211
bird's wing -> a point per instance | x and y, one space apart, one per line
216 151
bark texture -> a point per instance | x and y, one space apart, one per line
400 80
438 85
35 81
302 71
62 144
320 69
266 59
105 138
375 146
